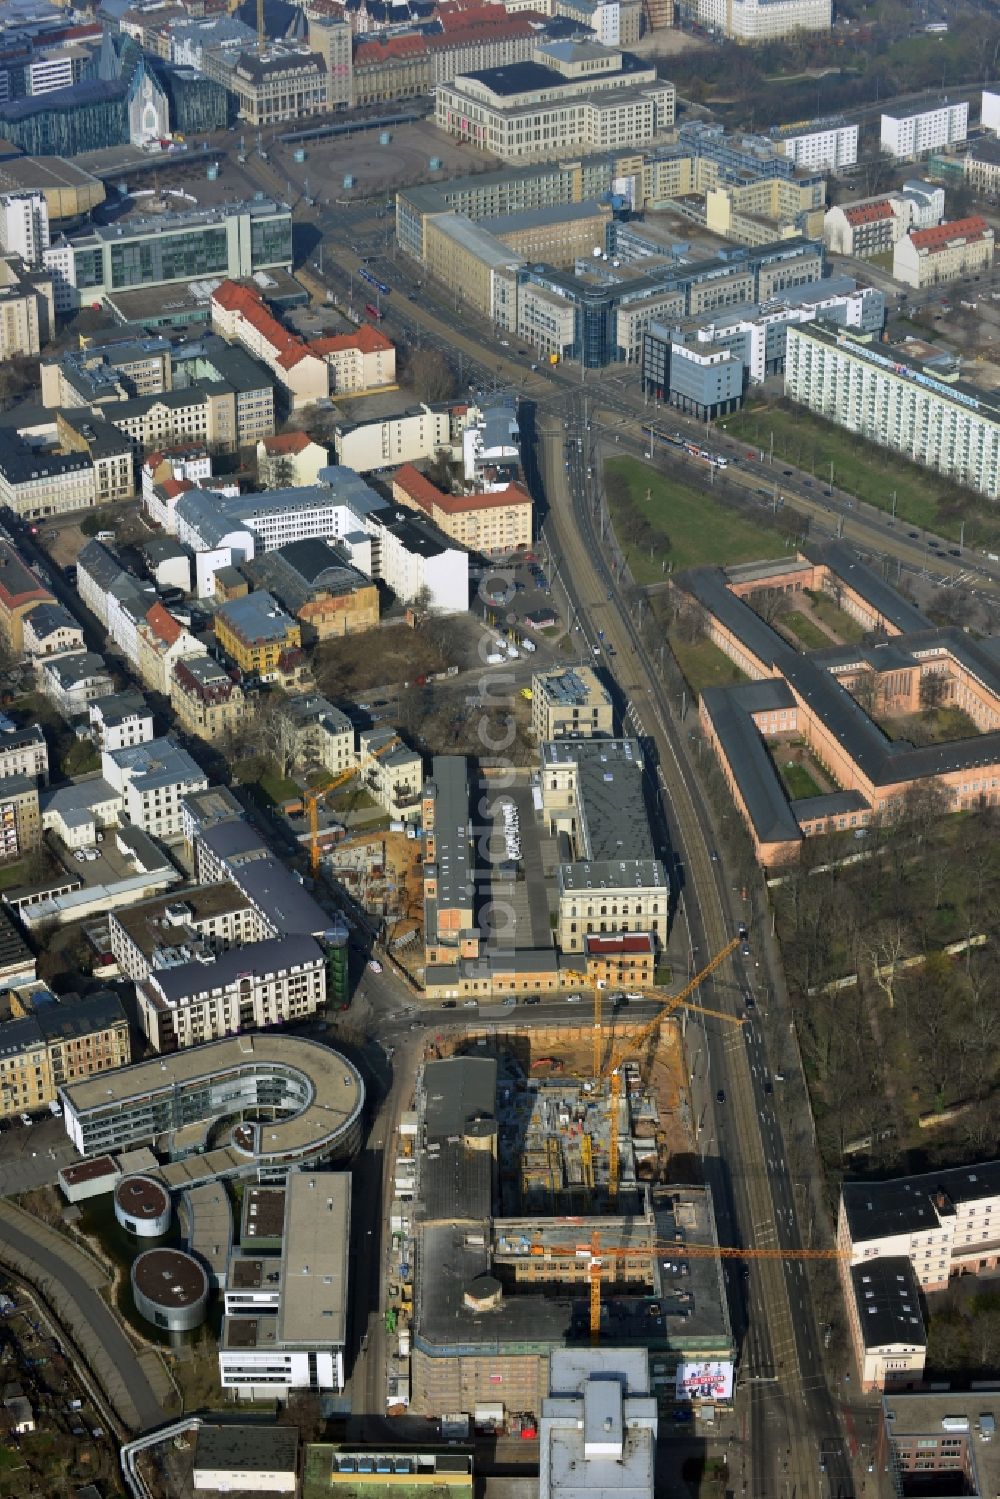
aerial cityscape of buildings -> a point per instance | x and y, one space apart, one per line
499 749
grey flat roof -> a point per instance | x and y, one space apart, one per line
833 804
551 213
846 563
887 1296
452 830
333 1089
760 787
457 1090
247 1447
314 1258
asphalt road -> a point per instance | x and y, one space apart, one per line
793 1422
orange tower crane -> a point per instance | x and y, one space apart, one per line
314 796
633 1044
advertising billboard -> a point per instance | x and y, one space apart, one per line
706 1381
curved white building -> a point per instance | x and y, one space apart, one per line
292 1102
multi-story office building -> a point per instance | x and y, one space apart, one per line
42 1048
757 335
27 308
953 428
913 132
570 95
332 39
314 1098
755 21
286 82
238 239
821 145
948 252
944 1223
615 881
286 1323
570 704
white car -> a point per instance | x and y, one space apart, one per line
55 1108
26 1120
374 965
574 999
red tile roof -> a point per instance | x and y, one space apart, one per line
174 487
868 213
366 339
942 235
163 624
395 46
287 442
427 495
620 942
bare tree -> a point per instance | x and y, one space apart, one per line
271 732
884 948
429 375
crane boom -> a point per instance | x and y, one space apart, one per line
636 1042
312 798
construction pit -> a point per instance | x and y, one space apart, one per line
383 872
555 1118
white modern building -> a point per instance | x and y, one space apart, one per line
290 1331
24 225
953 428
819 145
597 1433
915 131
990 115
407 436
763 20
120 720
152 780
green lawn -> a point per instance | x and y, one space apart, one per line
255 771
839 621
805 630
704 665
798 782
869 472
696 529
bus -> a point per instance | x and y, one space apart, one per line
373 312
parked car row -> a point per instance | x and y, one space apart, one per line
511 830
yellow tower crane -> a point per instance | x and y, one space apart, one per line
633 1044
315 795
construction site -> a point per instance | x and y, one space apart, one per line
383 873
557 1201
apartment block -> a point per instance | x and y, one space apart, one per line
419 432
258 635
20 818
152 780
172 929
45 1047
496 523
213 994
820 145
206 701
948 252
391 772
570 704
953 427
23 751
920 129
